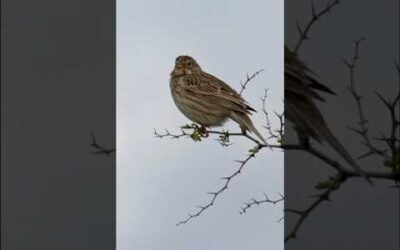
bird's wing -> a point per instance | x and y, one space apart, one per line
216 91
303 79
296 85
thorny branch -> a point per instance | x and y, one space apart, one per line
255 202
227 179
277 134
248 79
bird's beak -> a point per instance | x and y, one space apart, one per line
178 70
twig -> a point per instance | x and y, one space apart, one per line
214 195
254 202
303 214
196 130
100 149
248 79
315 17
363 129
170 135
277 134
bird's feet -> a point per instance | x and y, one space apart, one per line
199 131
203 131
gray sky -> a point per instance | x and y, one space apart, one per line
160 181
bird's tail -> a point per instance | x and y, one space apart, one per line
333 142
245 123
307 117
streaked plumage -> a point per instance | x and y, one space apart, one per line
205 99
300 92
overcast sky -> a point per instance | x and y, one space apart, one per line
160 181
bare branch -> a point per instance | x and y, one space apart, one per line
363 129
277 134
303 33
339 167
100 149
170 135
248 79
215 194
303 214
197 133
254 202
392 140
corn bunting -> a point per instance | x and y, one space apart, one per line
300 109
205 99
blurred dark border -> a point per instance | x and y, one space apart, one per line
57 86
357 216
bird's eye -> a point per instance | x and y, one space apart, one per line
189 63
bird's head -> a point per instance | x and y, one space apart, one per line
185 65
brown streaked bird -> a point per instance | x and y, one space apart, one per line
301 89
205 99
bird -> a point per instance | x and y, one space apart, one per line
207 100
302 89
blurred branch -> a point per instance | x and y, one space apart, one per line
303 214
392 140
100 149
344 172
334 182
303 33
331 185
363 129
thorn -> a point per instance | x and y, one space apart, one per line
299 29
346 63
387 104
314 14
